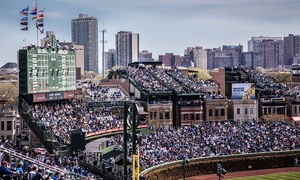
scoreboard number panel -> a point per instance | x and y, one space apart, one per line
50 70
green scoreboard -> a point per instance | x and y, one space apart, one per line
47 69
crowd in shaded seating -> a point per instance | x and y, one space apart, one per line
145 80
175 80
62 117
168 80
196 86
158 79
214 139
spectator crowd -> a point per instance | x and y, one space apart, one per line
207 139
215 139
62 117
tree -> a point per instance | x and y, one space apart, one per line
118 67
202 74
9 91
260 69
9 77
89 75
280 77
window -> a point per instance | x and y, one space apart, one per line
238 111
9 137
216 112
9 126
161 115
222 112
251 110
167 114
246 110
280 110
192 116
197 116
185 116
2 125
152 115
269 110
210 112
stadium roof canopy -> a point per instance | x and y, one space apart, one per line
153 63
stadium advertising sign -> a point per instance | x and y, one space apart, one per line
39 97
69 94
55 96
42 97
243 91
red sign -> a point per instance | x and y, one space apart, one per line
69 95
39 97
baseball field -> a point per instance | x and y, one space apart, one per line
289 173
280 176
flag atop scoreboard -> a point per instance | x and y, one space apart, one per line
49 73
243 91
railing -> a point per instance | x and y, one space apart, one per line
41 132
107 170
40 164
110 131
31 160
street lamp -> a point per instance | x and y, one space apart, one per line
185 161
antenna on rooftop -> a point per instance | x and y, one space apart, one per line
103 41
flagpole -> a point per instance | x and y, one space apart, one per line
36 24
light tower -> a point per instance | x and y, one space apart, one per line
103 41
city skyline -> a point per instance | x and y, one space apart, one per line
164 26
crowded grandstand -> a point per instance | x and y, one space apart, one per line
204 139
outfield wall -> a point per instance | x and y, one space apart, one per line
232 163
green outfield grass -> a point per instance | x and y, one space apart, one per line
281 176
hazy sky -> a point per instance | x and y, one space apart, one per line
163 25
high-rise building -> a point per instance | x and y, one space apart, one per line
186 61
211 54
254 43
223 60
267 51
291 48
233 48
145 56
198 56
252 59
110 59
85 32
127 47
170 60
235 52
269 48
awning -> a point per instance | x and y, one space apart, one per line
143 112
295 118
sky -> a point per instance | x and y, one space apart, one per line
164 26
